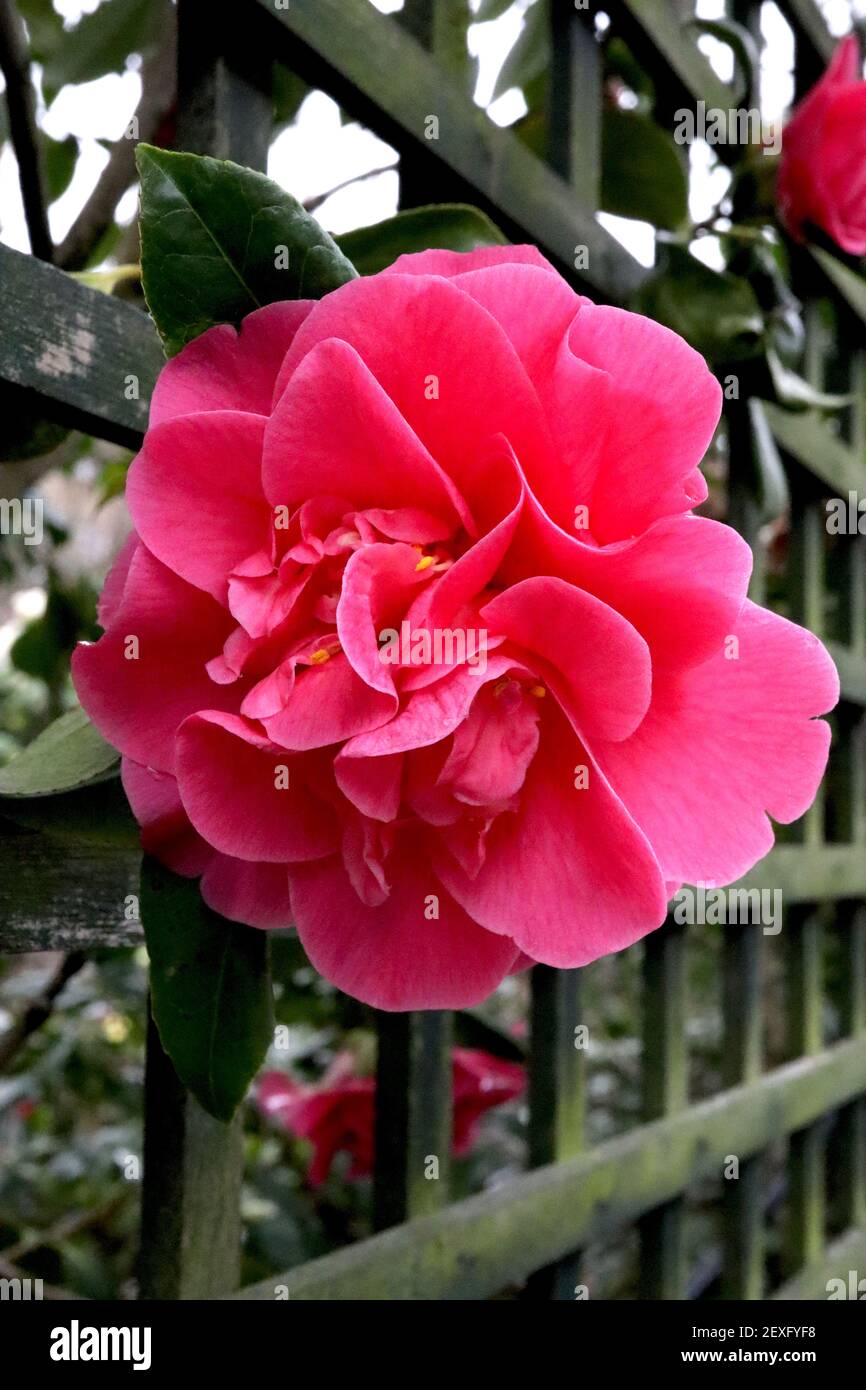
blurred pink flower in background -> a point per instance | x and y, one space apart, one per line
338 1113
822 171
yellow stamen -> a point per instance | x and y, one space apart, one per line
349 538
538 691
425 563
320 657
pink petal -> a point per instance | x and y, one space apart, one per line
392 956
373 785
604 664
224 369
138 703
451 263
569 876
329 703
378 583
254 894
681 584
430 714
195 495
334 430
634 408
230 782
166 832
115 583
413 330
722 744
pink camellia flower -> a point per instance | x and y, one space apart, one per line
339 1113
418 644
822 170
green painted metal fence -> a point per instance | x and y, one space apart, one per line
73 347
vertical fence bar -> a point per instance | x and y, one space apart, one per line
665 1081
190 1218
557 1098
849 1147
743 1201
225 105
413 1115
804 1233
557 1077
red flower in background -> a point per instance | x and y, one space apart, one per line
480 1082
335 1116
338 1114
822 172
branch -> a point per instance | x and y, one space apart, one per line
310 204
38 1011
158 88
49 1291
21 103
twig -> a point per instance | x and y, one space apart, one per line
68 1226
38 1010
310 204
21 103
158 87
48 1291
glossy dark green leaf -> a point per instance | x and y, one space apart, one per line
643 173
70 753
218 241
211 990
446 226
717 313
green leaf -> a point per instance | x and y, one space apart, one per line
643 173
619 61
70 753
24 431
795 392
530 57
737 37
769 476
847 281
289 94
101 42
211 990
60 159
716 312
446 226
211 239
